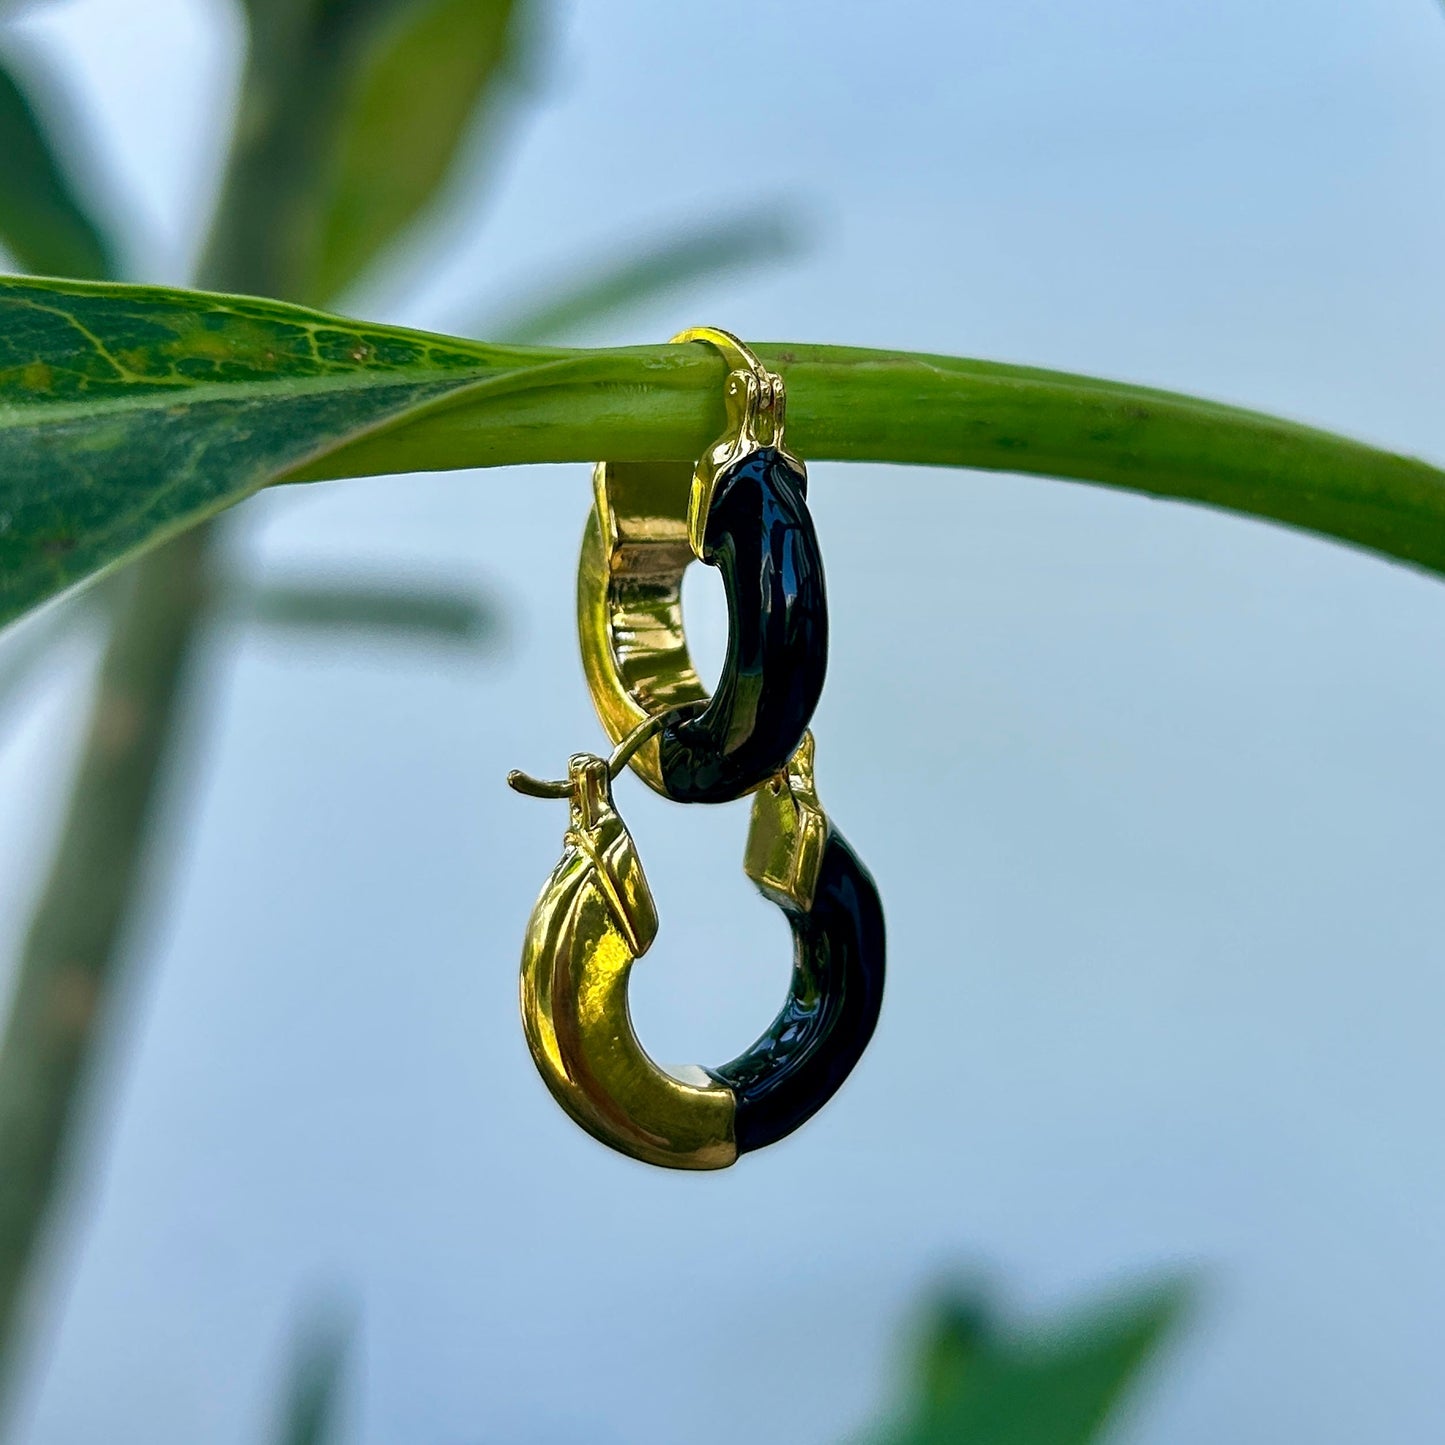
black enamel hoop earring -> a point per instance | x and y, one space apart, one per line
596 917
744 511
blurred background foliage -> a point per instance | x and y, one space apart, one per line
351 116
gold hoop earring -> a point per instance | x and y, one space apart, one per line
743 510
596 916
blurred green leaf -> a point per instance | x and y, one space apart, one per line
353 112
722 247
44 223
408 107
371 611
129 413
957 1332
312 1402
976 1385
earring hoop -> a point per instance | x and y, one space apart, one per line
596 916
743 509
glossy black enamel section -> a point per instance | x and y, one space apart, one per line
760 537
837 991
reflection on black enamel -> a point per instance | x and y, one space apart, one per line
837 991
760 537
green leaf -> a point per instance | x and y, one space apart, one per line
44 224
129 413
722 247
980 1386
408 109
370 611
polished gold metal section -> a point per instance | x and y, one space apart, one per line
738 354
788 833
646 526
629 601
595 916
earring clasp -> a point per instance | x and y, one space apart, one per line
756 402
621 755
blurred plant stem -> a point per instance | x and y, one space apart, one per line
69 965
67 969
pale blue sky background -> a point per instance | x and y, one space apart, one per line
1153 795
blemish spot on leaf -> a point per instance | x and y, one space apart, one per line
37 376
200 344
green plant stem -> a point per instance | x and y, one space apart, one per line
847 404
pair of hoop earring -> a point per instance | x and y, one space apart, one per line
744 511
